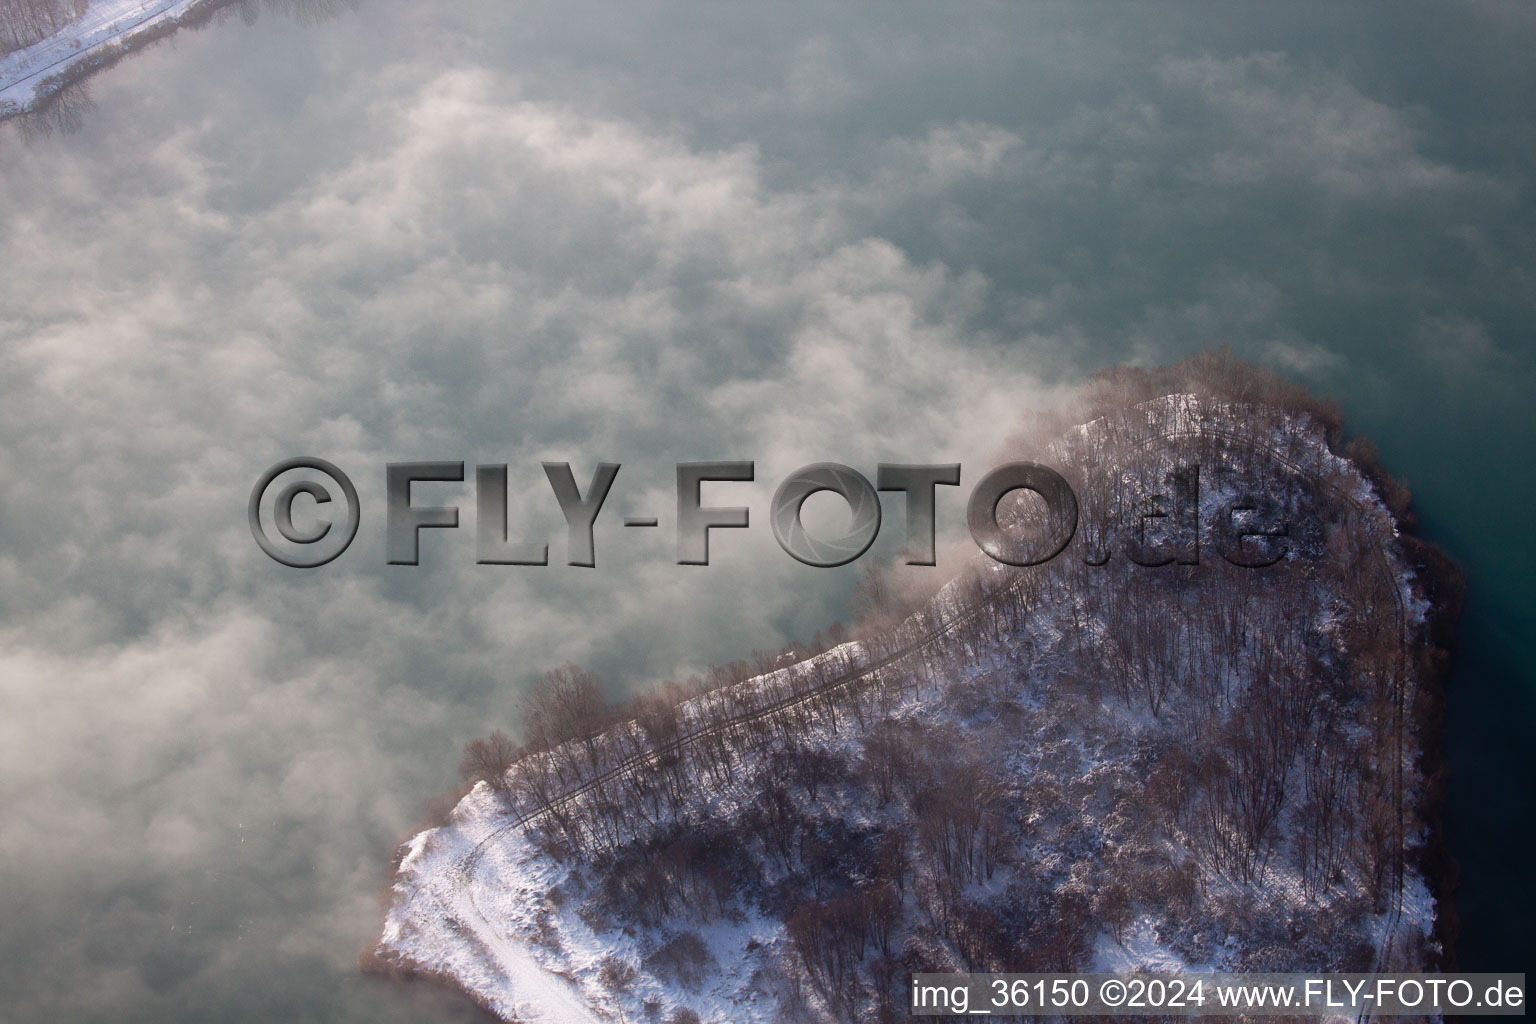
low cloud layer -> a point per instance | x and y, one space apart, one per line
493 237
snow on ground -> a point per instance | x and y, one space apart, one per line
1139 949
437 921
32 74
499 923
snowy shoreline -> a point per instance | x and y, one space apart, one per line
107 31
514 985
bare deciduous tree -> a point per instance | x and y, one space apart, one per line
489 760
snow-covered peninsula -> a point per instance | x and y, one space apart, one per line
1110 761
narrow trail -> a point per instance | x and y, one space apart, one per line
25 73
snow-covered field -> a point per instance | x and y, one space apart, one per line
493 965
30 75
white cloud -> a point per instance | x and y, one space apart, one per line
1281 122
498 279
766 239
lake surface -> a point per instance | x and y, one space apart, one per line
583 232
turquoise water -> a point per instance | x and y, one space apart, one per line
1457 446
401 231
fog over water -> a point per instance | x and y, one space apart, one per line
648 234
